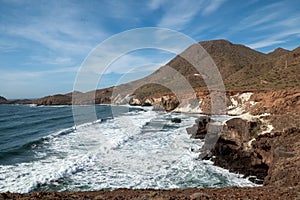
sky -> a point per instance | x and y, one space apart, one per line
44 43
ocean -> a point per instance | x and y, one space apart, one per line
42 150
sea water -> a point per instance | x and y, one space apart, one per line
42 149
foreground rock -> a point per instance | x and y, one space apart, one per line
262 141
265 193
233 150
243 146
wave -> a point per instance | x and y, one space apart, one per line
34 123
68 151
115 153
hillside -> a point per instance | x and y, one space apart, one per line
241 68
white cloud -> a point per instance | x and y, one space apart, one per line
155 4
265 15
212 6
6 46
58 28
14 75
278 38
179 14
265 43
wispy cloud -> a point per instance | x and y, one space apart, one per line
6 47
15 75
262 16
266 26
264 43
179 14
278 38
212 6
155 4
58 29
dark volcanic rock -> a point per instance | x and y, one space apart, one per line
176 120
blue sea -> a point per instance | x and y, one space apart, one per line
41 149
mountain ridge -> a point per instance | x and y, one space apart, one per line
241 67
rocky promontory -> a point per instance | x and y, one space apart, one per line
3 100
261 140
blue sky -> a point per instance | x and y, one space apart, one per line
43 43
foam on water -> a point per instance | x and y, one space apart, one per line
119 152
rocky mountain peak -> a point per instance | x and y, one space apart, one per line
278 52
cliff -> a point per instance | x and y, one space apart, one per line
261 140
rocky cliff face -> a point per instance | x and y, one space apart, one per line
262 141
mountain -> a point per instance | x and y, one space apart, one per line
278 52
2 100
241 68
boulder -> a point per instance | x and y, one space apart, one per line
135 101
199 129
176 120
169 102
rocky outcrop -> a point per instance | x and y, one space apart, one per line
3 100
176 120
243 146
163 103
284 157
58 99
135 101
233 151
262 142
199 129
15 101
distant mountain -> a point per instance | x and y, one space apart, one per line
2 100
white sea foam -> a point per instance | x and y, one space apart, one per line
117 153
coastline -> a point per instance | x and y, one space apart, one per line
278 178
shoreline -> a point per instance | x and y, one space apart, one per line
279 138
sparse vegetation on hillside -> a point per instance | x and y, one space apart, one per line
241 67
